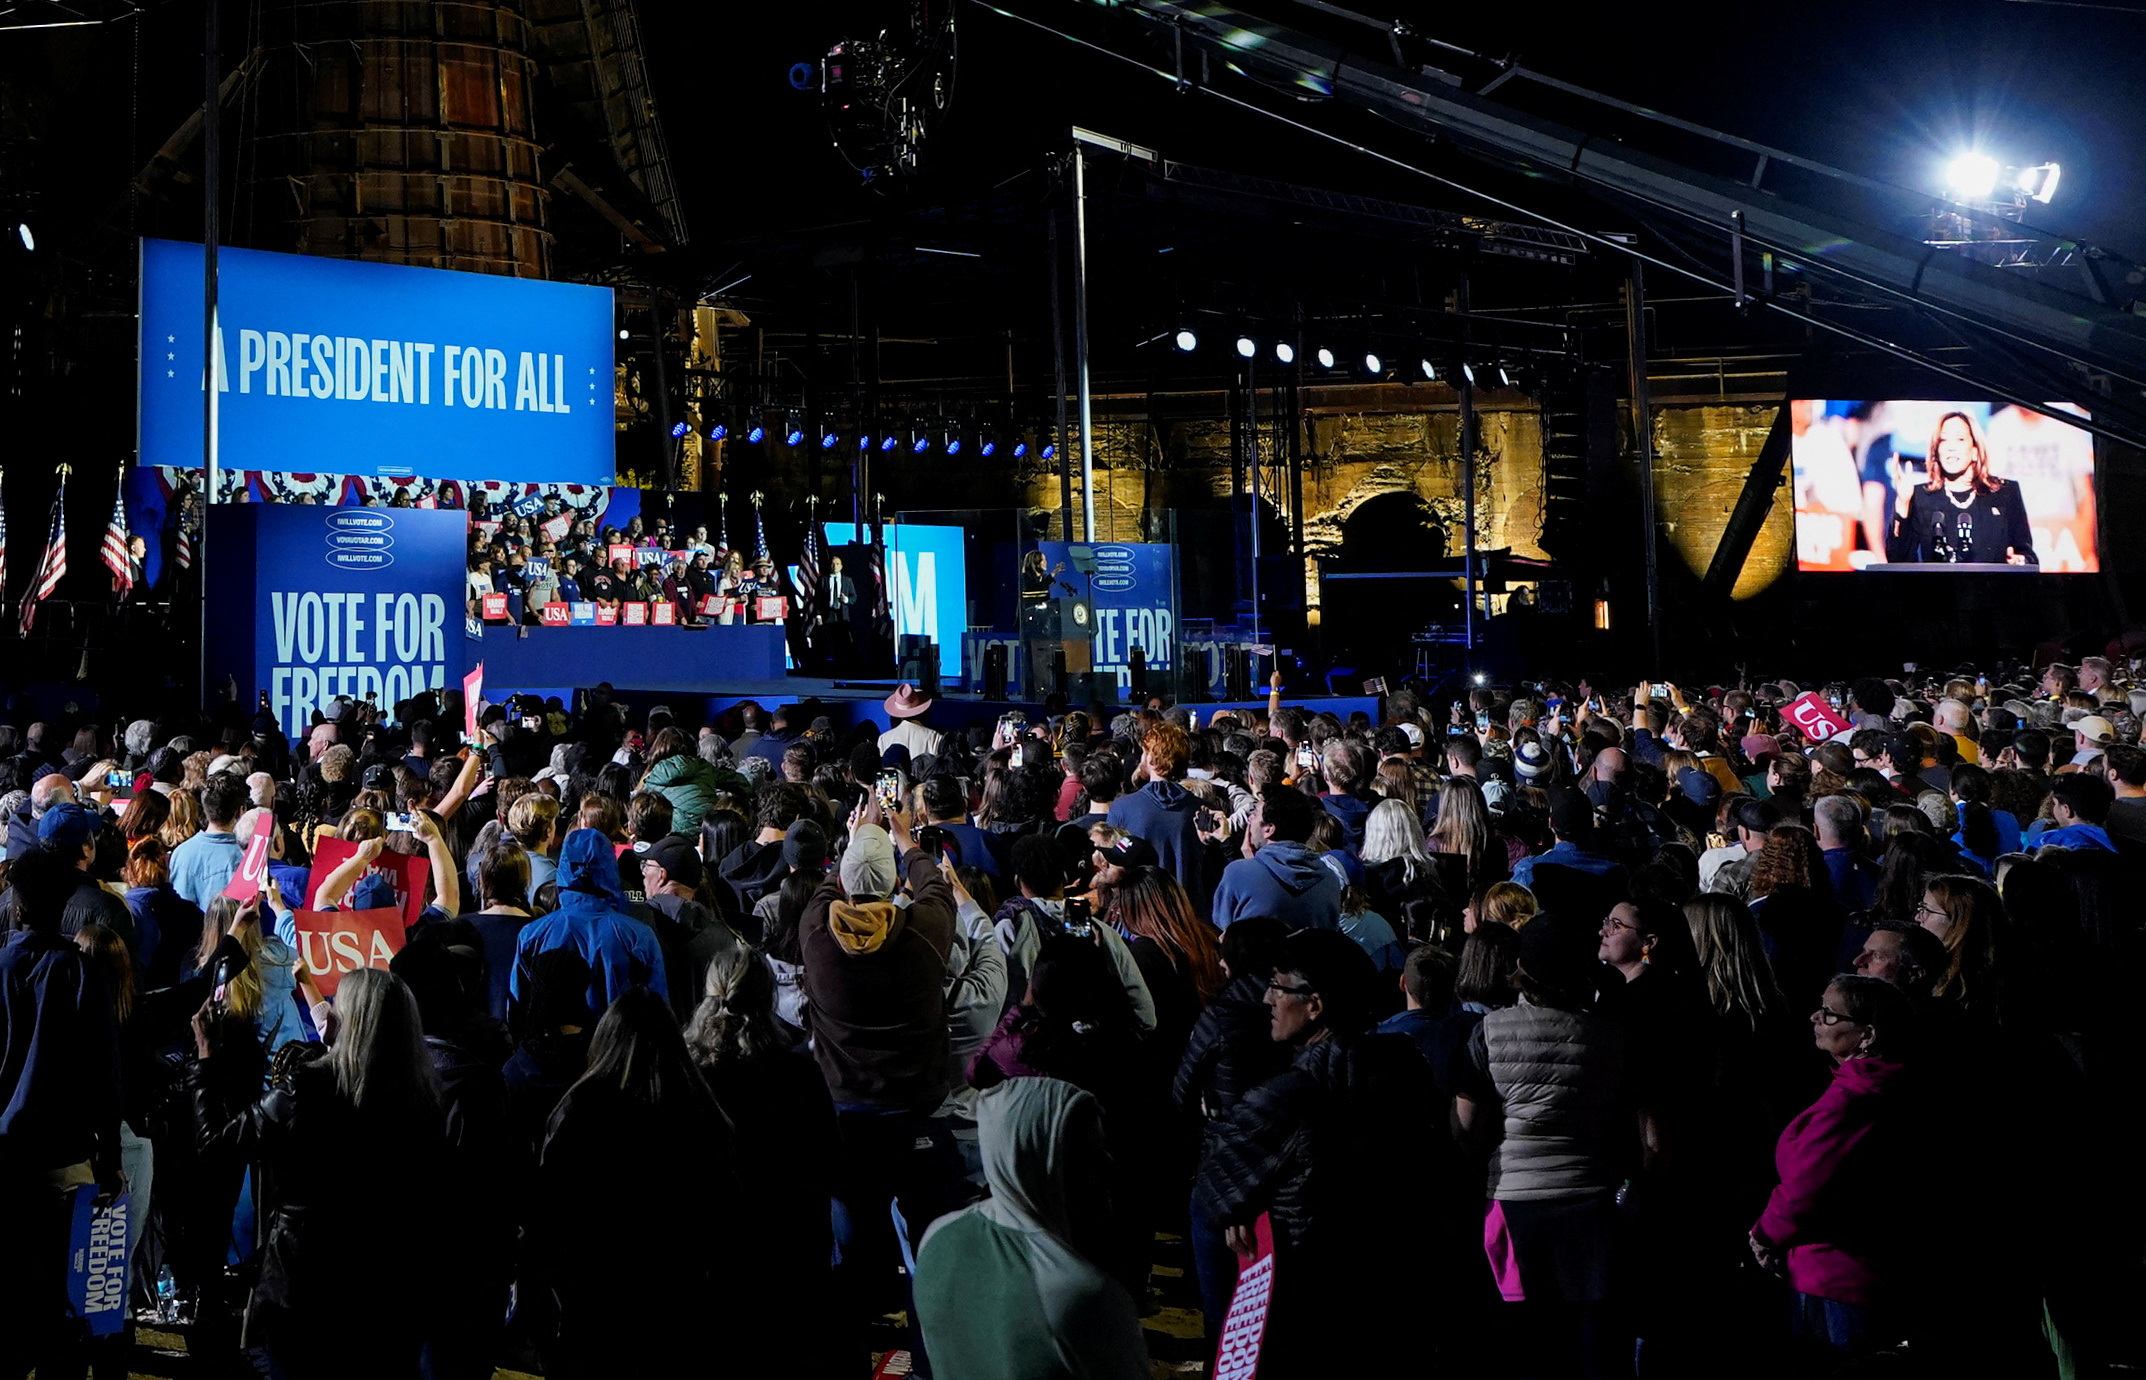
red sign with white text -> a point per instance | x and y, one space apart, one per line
334 942
1817 720
495 608
1245 1326
557 616
662 614
406 874
633 615
252 874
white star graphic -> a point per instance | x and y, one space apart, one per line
169 374
169 355
170 339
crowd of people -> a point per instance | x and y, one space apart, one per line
563 558
1563 1029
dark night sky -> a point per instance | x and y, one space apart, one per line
1888 89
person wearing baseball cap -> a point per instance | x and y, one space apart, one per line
70 831
2094 736
692 935
1298 1145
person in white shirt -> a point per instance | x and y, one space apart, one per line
907 709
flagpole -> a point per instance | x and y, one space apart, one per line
211 234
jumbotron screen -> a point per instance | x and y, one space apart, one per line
1912 481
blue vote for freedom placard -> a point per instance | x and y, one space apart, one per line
1134 592
307 604
927 582
344 367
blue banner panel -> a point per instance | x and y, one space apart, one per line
344 367
661 659
927 583
1134 591
307 603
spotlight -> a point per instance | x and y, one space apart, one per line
1020 450
756 433
29 241
678 430
1372 363
987 448
1479 677
1467 371
793 432
1325 358
828 438
624 334
1505 377
921 444
1246 347
864 442
1186 341
1050 451
953 443
2039 182
1972 176
1285 352
1430 370
889 442
719 431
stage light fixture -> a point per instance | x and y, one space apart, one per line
889 442
1430 370
828 439
1050 451
720 431
987 448
1325 358
1285 352
1020 450
756 433
864 442
793 432
678 430
2038 182
1372 363
1479 677
1505 377
1246 347
1186 340
1467 371
1972 176
624 334
921 444
953 442
29 241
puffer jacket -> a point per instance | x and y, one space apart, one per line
691 786
1232 1049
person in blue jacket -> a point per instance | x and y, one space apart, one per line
592 920
1164 813
1283 879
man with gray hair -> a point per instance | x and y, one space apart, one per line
1838 820
48 791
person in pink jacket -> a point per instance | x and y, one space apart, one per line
1822 1226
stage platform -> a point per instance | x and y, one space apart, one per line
643 685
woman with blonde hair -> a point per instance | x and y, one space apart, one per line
1500 903
184 821
263 993
1464 831
1732 960
1400 880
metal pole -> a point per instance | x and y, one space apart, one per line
1467 473
1251 458
1080 342
663 391
1058 367
211 235
1635 339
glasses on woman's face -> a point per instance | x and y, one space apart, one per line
1286 990
1825 1015
1927 909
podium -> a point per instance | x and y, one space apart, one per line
1076 632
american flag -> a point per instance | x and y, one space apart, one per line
52 566
808 563
183 546
3 554
113 549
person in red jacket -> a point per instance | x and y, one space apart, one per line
1837 1160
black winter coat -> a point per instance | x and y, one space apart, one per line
1232 1049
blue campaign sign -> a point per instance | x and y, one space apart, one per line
344 367
927 583
1134 591
344 601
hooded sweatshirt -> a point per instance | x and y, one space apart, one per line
1002 1292
875 979
1282 880
1163 813
592 920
